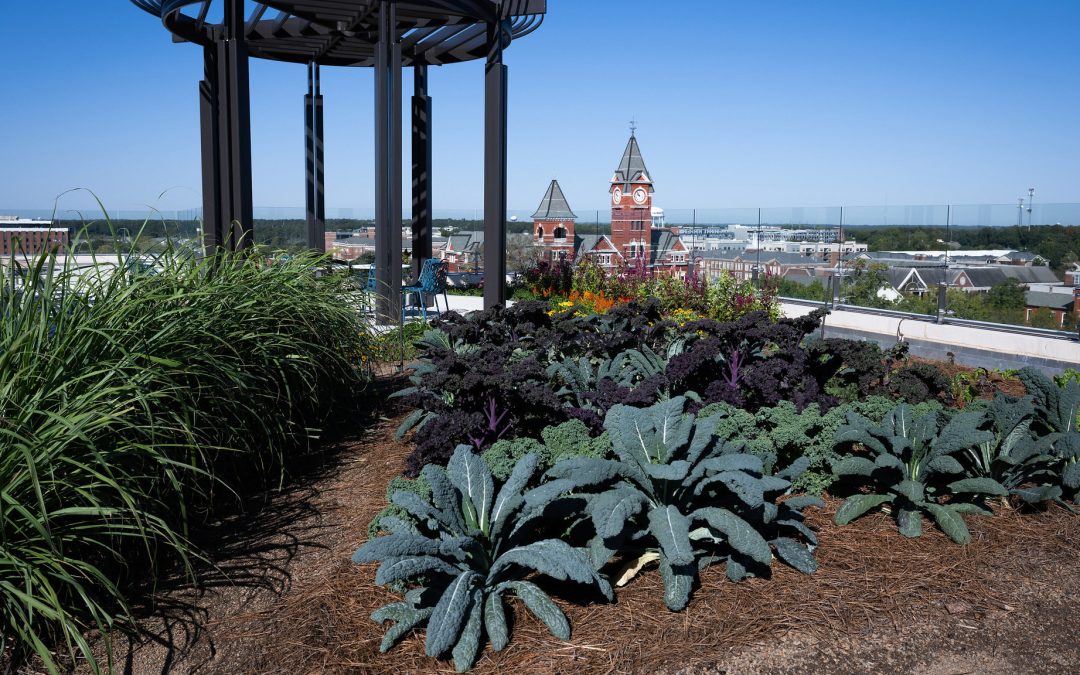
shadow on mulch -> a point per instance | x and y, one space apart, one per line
870 579
253 544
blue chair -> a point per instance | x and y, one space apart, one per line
432 281
369 289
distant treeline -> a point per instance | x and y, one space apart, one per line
1057 243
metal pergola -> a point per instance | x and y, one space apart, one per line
386 35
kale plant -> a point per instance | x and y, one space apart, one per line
1011 456
679 494
914 466
464 550
1056 417
753 362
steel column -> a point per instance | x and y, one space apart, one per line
495 84
320 191
211 167
313 147
234 124
421 169
387 167
309 157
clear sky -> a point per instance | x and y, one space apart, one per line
738 104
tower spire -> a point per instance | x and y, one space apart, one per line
633 126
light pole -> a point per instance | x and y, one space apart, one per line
1031 200
757 263
1019 212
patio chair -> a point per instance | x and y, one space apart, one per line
369 290
431 282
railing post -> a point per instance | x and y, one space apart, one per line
942 302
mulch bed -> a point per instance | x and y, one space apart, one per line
1005 603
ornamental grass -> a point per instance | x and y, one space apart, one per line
134 399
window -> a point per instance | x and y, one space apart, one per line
540 233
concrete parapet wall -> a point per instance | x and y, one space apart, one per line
976 347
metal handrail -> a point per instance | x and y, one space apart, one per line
931 318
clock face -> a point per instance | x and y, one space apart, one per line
640 195
616 196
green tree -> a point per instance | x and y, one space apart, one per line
865 282
1009 294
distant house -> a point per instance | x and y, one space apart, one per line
349 248
462 252
1072 277
1060 304
741 265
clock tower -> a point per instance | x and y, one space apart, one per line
631 203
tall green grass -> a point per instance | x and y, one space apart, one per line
134 400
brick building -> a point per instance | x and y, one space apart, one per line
553 225
31 237
635 234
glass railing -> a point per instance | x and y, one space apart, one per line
1012 264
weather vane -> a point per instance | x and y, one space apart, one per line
633 125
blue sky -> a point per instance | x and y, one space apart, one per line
738 104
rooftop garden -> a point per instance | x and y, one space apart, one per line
547 474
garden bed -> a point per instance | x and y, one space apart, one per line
879 601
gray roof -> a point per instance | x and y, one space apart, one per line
554 205
1022 255
662 242
586 242
1030 275
631 167
465 241
1052 300
355 241
932 276
984 276
897 276
788 258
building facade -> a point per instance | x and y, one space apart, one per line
31 237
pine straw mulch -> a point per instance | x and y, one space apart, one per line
878 600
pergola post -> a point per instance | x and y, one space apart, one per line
495 84
388 166
320 191
234 123
313 144
211 166
421 169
